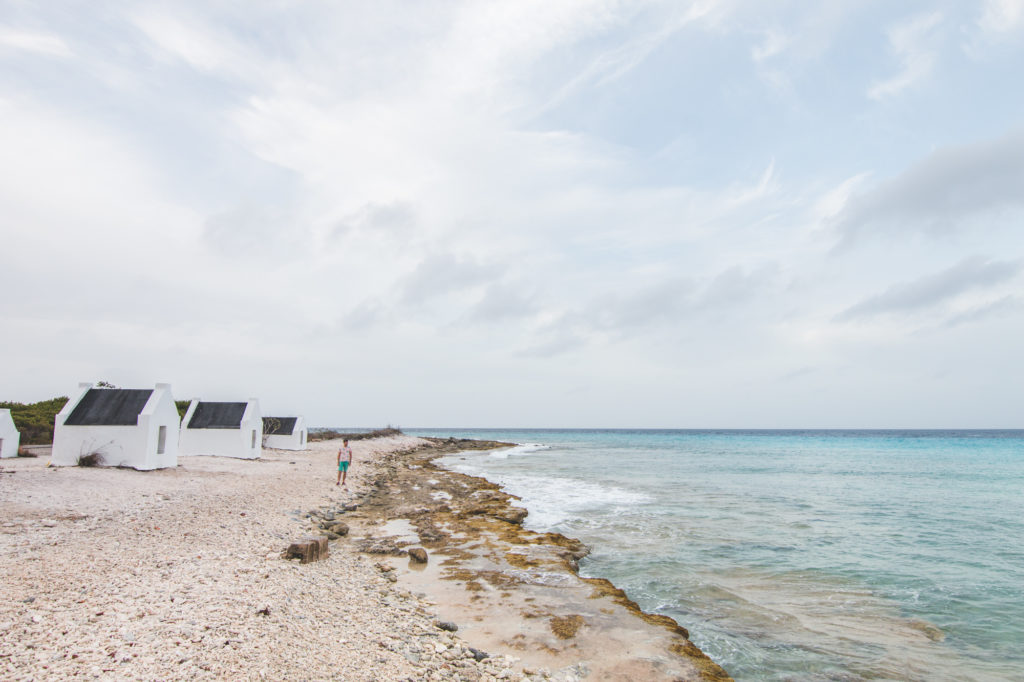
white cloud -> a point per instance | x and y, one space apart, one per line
611 64
1000 17
913 43
832 202
773 44
417 196
1007 305
76 192
931 290
948 190
206 50
48 44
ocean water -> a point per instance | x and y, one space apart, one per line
795 555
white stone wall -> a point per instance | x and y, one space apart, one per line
160 411
9 436
224 442
296 441
131 446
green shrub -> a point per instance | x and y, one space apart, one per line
35 420
331 434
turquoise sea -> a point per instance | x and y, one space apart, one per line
795 555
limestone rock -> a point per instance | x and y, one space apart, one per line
380 546
308 550
514 515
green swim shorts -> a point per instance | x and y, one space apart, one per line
343 466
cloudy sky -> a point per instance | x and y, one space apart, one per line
577 213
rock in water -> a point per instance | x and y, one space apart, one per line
418 554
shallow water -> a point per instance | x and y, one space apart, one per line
841 555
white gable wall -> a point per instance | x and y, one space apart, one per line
131 446
9 436
245 442
159 412
295 441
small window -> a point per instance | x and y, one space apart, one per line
161 440
302 438
253 438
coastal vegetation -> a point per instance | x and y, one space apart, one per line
331 434
35 420
182 406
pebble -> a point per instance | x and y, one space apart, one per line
118 599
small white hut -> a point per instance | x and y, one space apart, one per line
135 428
284 433
9 436
224 429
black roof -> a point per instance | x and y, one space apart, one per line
109 407
279 426
217 416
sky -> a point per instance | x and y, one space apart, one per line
558 213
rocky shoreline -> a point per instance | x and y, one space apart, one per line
179 574
485 563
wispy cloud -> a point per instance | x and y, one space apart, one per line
1001 17
906 297
615 62
196 44
1006 305
913 43
773 44
48 44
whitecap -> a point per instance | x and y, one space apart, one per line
553 500
521 449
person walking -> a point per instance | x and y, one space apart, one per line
344 461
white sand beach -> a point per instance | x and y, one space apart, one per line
177 574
